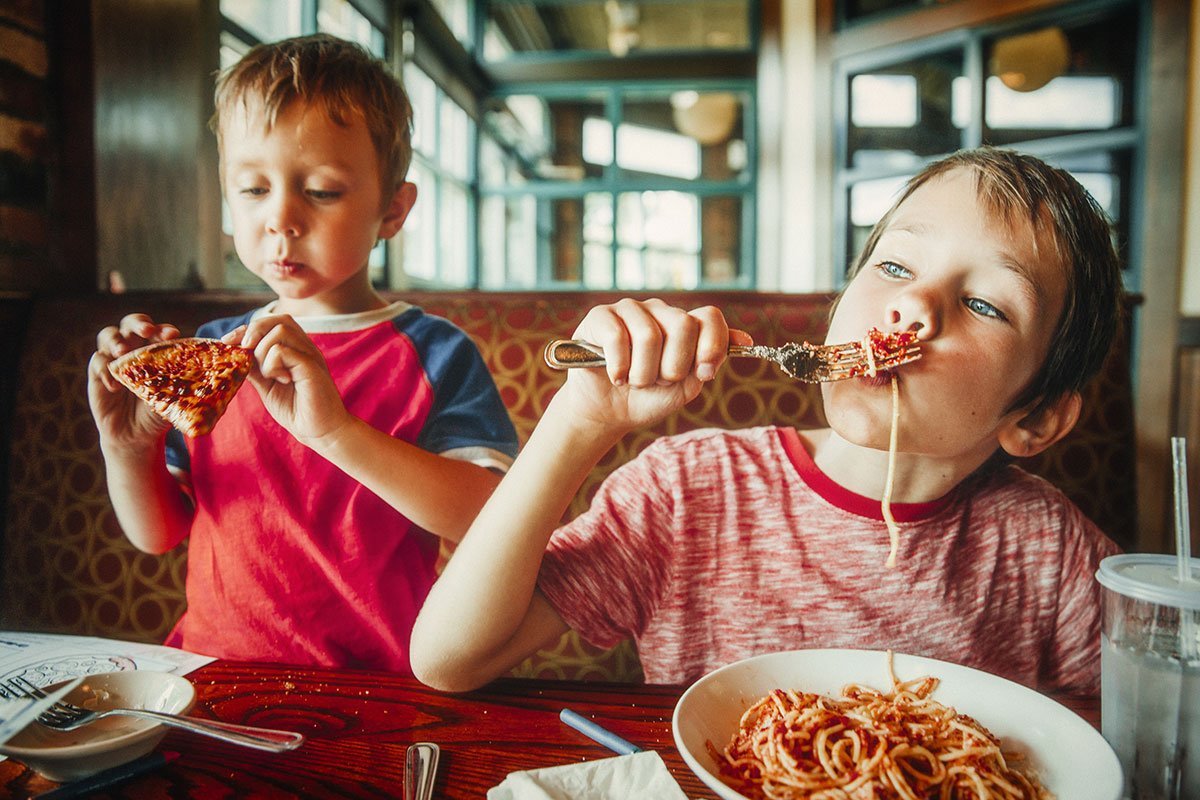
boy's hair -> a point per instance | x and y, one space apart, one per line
1052 201
341 77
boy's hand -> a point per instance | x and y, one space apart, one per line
291 376
658 357
121 417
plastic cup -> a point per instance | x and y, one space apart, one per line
1150 674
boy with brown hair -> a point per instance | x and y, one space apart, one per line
310 507
714 546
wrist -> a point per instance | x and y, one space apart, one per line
577 429
138 450
336 439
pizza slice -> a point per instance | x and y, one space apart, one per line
188 382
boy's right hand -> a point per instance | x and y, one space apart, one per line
121 417
657 359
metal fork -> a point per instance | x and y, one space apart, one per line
65 716
811 363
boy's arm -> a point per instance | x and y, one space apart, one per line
152 509
441 495
485 614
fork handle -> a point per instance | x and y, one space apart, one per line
275 741
572 353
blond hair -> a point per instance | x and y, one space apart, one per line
338 76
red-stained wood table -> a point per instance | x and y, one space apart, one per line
359 725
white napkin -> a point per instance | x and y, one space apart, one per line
18 712
638 776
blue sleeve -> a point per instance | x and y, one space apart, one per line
467 409
177 452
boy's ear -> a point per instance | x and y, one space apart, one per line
1029 434
397 210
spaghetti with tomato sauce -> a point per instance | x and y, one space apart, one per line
899 745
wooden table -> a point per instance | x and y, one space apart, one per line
359 725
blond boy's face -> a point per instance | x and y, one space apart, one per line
984 296
306 201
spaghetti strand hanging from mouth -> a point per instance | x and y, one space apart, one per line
893 440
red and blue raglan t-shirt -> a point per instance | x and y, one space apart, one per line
289 558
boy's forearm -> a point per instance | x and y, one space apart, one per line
440 495
152 509
478 619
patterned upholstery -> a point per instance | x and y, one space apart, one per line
68 568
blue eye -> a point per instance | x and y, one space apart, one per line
984 308
893 270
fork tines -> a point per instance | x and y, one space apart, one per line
851 360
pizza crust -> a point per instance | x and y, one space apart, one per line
188 382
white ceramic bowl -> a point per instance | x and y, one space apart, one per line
70 755
1070 757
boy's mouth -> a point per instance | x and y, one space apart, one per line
881 378
284 268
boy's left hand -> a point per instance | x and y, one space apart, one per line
292 377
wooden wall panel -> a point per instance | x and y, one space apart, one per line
158 207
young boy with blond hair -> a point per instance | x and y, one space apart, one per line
713 546
310 507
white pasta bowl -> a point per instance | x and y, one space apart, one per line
70 755
1067 754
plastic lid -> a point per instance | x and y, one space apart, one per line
1152 577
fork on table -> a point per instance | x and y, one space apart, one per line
810 363
64 716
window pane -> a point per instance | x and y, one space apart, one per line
904 112
616 27
508 242
868 202
344 20
422 94
420 227
453 256
546 138
1057 80
685 134
269 20
663 230
454 140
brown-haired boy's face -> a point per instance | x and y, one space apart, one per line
306 200
984 295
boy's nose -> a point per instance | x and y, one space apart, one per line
913 311
283 219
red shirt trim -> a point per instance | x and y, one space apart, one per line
840 497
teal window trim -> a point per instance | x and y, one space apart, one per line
614 182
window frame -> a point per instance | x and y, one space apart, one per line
1128 139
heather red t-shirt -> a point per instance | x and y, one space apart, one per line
716 545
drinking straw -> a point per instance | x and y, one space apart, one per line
1183 545
1183 533
597 734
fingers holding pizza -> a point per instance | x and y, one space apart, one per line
291 376
120 415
